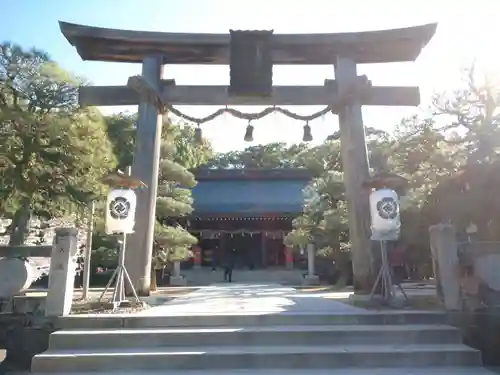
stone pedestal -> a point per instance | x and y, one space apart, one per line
310 280
176 269
62 273
176 279
310 260
444 251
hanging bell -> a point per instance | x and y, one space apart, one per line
249 133
307 137
198 136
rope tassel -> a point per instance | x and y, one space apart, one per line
249 133
307 137
198 136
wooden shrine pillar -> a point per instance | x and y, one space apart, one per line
145 168
263 249
356 170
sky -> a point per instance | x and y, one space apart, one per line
465 31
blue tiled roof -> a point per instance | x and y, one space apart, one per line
247 196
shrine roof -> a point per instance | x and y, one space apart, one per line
103 44
261 191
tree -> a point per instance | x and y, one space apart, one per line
52 153
324 220
273 155
472 115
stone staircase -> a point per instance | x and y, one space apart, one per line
406 342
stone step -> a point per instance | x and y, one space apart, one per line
235 336
349 371
257 357
100 321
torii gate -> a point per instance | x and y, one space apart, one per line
345 96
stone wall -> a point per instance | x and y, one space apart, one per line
24 331
468 282
479 274
43 231
479 278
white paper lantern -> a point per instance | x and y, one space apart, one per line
384 209
120 211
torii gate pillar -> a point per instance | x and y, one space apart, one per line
145 168
356 171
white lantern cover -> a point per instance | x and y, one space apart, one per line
120 211
384 209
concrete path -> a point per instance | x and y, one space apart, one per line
247 299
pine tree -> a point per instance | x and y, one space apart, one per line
172 242
52 153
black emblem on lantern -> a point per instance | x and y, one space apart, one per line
119 208
387 208
251 63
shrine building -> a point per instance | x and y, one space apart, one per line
248 212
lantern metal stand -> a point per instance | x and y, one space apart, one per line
385 279
120 275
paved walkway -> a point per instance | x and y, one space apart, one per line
251 299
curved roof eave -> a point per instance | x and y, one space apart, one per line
103 44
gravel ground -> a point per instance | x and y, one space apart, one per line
86 307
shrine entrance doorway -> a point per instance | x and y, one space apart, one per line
251 56
247 250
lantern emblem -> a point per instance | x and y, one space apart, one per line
120 211
119 208
387 208
384 209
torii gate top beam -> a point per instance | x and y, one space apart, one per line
102 44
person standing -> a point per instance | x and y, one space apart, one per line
228 267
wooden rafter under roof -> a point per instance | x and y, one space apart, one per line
102 44
255 217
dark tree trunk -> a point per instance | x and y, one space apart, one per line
153 285
20 223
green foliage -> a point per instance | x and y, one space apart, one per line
121 129
178 151
273 155
106 257
52 153
324 218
